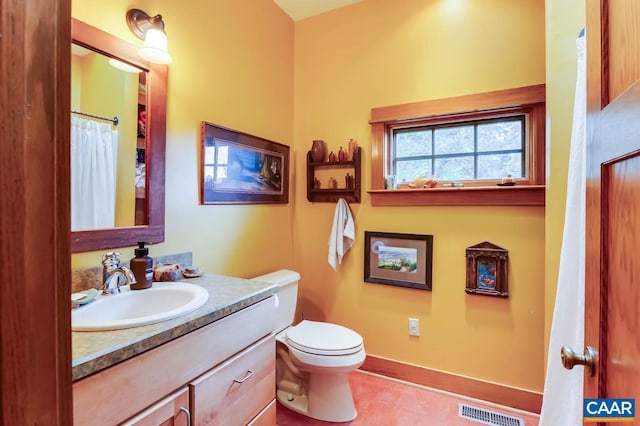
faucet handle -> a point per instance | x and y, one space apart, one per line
111 259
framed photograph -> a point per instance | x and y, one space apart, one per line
487 270
238 168
404 260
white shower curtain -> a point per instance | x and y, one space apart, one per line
93 174
562 401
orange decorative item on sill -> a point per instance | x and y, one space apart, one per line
423 182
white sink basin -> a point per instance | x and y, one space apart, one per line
134 308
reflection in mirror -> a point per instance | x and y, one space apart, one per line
135 147
107 153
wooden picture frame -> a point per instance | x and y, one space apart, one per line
403 260
487 270
238 168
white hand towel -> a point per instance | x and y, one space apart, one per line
343 232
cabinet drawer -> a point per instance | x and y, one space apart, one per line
236 390
173 410
267 416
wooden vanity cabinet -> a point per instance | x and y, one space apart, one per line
199 370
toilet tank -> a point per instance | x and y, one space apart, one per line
287 282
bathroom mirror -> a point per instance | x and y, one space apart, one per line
108 142
150 85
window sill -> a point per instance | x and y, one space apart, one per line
519 195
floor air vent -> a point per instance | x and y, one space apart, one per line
488 417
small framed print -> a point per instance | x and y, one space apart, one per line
403 260
487 270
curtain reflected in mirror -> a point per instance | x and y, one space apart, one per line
108 176
94 149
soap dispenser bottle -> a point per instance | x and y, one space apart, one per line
142 267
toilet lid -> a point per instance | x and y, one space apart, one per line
322 338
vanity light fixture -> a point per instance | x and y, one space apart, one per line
123 66
151 30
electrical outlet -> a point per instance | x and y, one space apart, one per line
414 327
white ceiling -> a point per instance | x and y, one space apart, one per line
300 9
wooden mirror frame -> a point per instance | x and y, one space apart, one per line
97 40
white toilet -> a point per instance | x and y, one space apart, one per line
313 359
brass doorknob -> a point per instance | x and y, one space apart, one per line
570 358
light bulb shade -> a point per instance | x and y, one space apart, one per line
155 47
122 66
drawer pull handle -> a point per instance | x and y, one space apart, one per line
186 411
245 378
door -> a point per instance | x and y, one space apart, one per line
612 296
35 319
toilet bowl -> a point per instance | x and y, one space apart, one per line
313 359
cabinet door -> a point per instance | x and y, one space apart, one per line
171 411
267 417
237 390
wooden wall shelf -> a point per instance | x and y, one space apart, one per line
519 195
327 195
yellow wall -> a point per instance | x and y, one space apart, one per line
233 66
378 53
564 20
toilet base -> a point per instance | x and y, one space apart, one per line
297 403
328 398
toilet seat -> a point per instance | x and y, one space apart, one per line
320 338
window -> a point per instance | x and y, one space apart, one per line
487 149
475 139
216 162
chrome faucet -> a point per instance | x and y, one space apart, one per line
115 275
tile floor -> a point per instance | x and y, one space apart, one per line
381 401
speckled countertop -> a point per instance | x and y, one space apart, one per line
93 351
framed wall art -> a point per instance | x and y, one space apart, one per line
403 260
487 270
238 168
